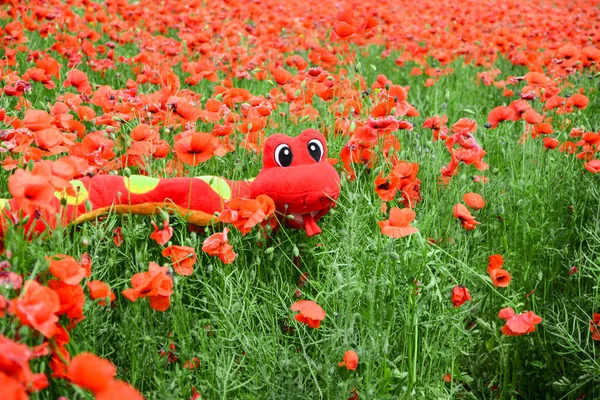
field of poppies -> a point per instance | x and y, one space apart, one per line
461 259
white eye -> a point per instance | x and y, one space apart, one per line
315 149
283 155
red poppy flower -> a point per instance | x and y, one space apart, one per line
460 295
78 80
466 219
163 235
343 29
593 166
399 223
350 360
310 314
91 372
3 306
192 364
37 120
31 191
100 290
282 76
71 299
14 362
499 114
50 140
551 143
500 277
386 187
118 236
37 307
474 200
518 324
595 326
296 61
495 261
464 126
12 388
67 269
578 101
155 284
196 148
532 117
543 128
573 270
245 214
119 390
216 245
182 257
144 132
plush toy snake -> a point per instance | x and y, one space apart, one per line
295 174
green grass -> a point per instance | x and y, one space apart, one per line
541 214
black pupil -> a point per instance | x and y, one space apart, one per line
285 157
315 151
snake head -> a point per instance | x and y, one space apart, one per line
297 176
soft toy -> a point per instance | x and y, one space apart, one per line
295 174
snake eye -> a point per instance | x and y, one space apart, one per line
283 155
315 149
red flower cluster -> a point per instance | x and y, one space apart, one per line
518 324
217 245
182 257
310 313
460 295
245 214
97 375
155 284
499 276
399 223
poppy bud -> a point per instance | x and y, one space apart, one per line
88 206
127 172
165 215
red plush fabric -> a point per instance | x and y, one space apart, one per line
306 185
189 193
